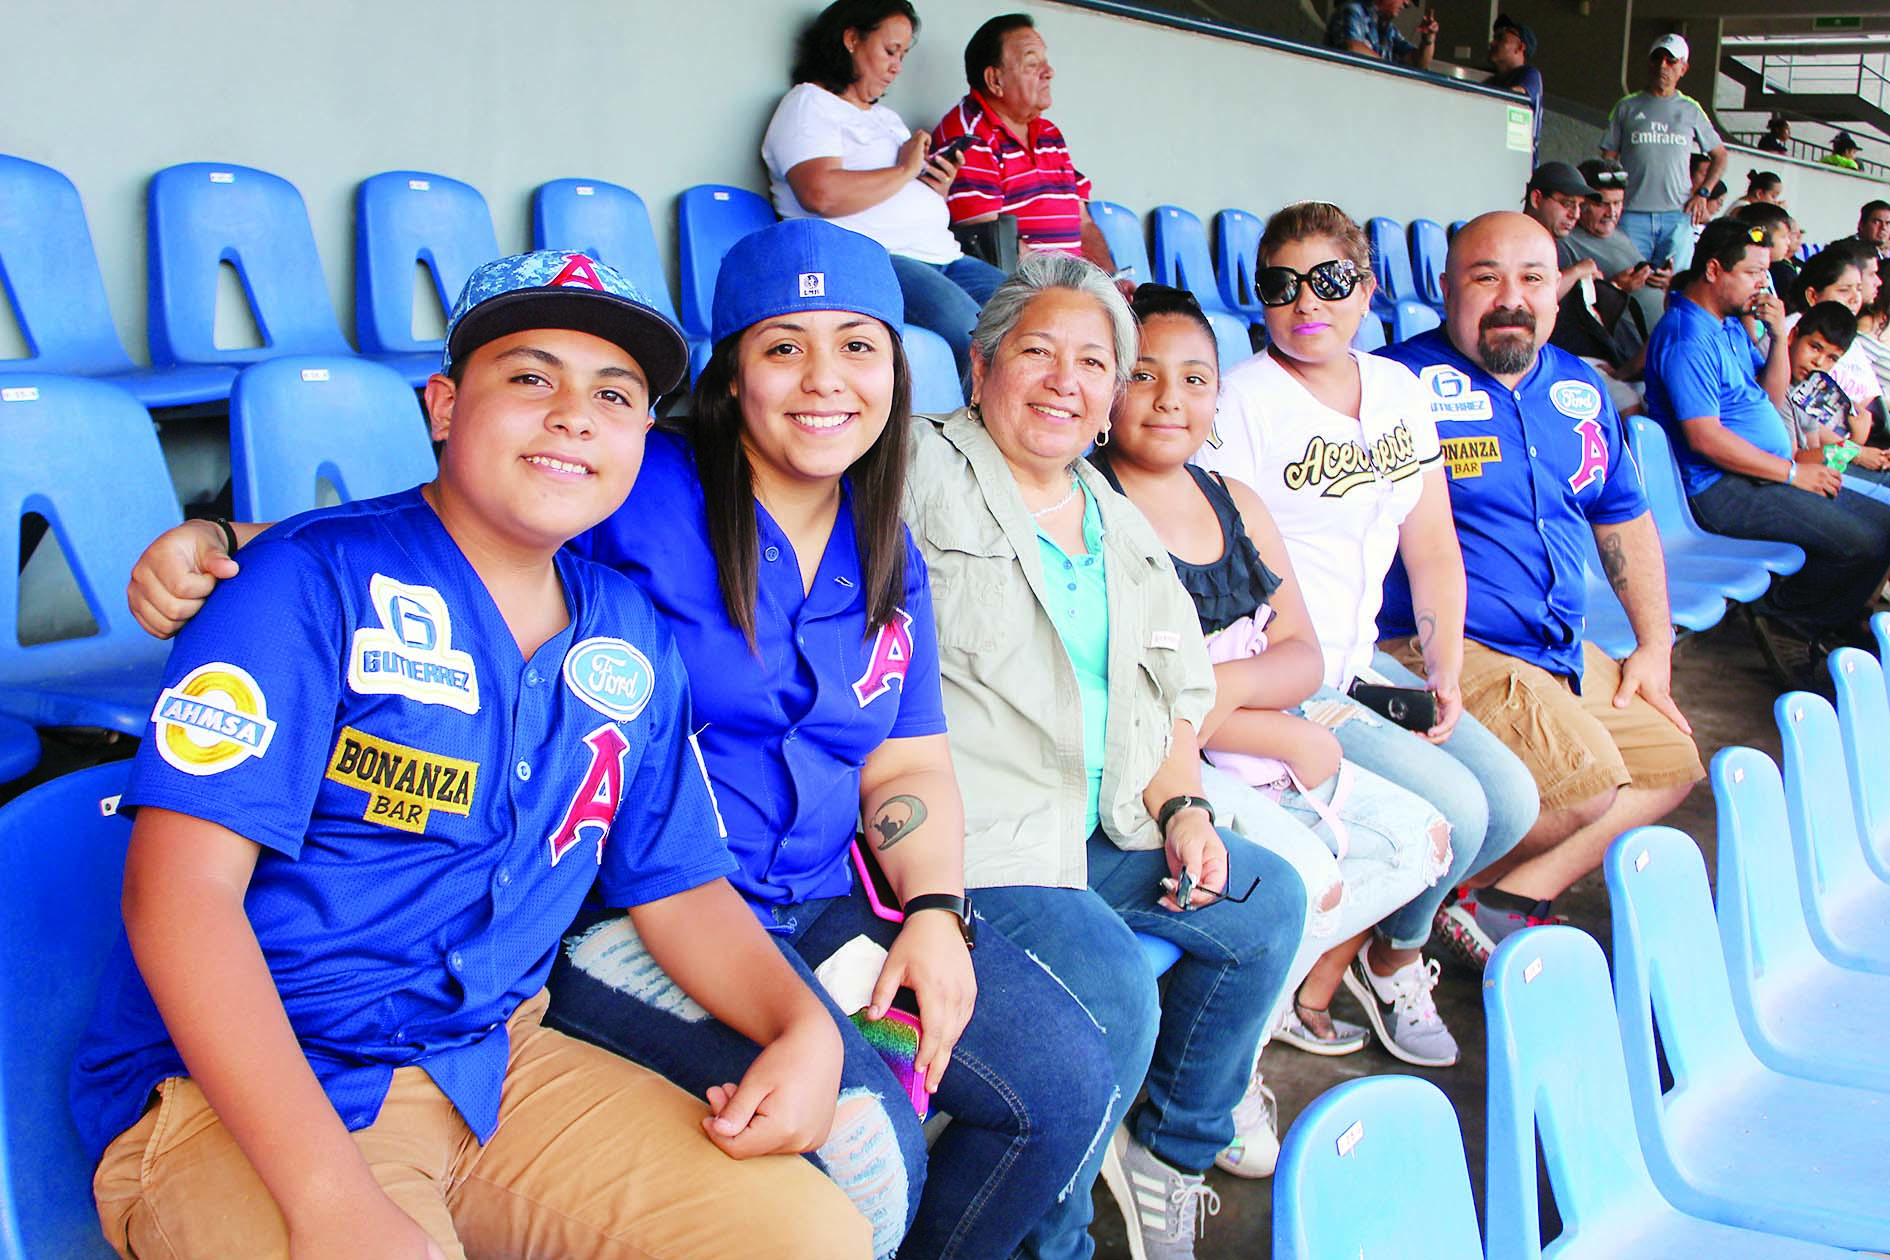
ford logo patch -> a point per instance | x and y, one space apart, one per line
611 676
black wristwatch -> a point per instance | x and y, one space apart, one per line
959 906
1174 805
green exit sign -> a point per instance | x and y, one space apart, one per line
1837 24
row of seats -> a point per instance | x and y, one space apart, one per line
1739 1112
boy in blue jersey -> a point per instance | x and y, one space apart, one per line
390 760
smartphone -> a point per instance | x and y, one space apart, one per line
952 147
1413 708
894 1036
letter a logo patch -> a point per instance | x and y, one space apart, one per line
579 273
892 655
1594 457
594 804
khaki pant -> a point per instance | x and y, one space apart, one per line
594 1158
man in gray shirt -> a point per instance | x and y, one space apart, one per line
1598 321
1653 133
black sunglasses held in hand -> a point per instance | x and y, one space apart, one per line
1332 280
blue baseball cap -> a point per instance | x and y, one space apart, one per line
550 288
805 265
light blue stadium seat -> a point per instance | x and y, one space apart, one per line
1121 230
1409 318
1732 1140
83 455
58 922
1800 1012
404 218
1236 258
1161 954
1681 535
1371 333
1391 264
1691 605
202 214
936 389
1846 905
1880 630
710 218
1556 1072
1864 721
19 749
1607 625
298 421
1456 226
1375 1167
1429 248
608 222
1180 256
49 271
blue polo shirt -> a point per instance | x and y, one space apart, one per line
1531 471
787 724
431 806
1701 366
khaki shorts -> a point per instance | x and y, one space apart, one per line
594 1157
1576 746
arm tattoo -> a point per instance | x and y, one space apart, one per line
1614 562
1426 628
898 818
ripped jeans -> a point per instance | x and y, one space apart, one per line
1028 1088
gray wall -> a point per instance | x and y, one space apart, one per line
662 96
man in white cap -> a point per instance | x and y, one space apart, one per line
1652 133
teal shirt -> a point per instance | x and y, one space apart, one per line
1079 605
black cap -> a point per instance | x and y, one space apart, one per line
1504 22
1560 177
1844 140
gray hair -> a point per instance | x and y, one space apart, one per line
1039 273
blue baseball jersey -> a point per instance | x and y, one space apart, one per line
786 724
1531 471
1701 366
431 807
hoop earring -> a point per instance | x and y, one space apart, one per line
975 411
1102 439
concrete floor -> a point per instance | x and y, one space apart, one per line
1723 688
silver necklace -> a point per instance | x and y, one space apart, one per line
1075 489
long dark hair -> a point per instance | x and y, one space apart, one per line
1824 269
822 58
878 478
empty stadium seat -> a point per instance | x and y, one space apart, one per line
1800 1012
58 922
1556 1073
402 218
1691 605
1161 954
1409 318
297 421
936 389
1679 532
83 455
1864 720
50 272
202 214
1180 256
1375 1167
1121 230
1429 248
19 749
1236 258
1846 905
1371 333
1731 1140
1391 264
609 223
710 218
1456 226
1606 624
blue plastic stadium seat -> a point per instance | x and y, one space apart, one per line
1880 630
402 218
936 389
1409 318
710 218
50 272
1391 264
609 223
1429 248
58 922
1121 230
1556 1072
19 749
1456 226
1846 905
297 421
83 455
1864 719
1800 1012
1731 1140
1236 258
1371 333
1375 1167
201 215
1161 954
1691 605
1180 256
1607 625
1689 546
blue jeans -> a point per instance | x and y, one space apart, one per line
1196 1043
946 298
1480 787
1023 1121
1660 234
1846 542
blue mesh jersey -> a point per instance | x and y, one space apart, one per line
788 724
431 807
1531 470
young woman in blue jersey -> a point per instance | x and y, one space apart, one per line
765 526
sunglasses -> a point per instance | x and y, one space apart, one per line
1609 179
1332 280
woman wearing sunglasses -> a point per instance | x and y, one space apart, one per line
1341 449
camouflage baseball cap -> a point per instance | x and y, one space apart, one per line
550 288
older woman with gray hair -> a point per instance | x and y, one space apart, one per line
1075 678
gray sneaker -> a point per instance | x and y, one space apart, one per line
1165 1210
1256 1145
1402 1013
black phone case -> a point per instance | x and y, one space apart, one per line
1413 708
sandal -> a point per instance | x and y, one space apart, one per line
1312 1029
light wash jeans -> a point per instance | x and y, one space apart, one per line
1660 234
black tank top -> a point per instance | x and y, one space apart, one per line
1223 590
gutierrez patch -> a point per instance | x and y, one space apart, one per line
1465 456
404 785
213 718
1452 398
611 676
1578 400
411 652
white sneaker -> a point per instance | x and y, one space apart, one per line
1164 1208
1402 1013
1256 1145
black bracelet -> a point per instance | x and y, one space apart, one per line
229 533
1174 805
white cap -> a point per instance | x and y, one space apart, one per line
1674 46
